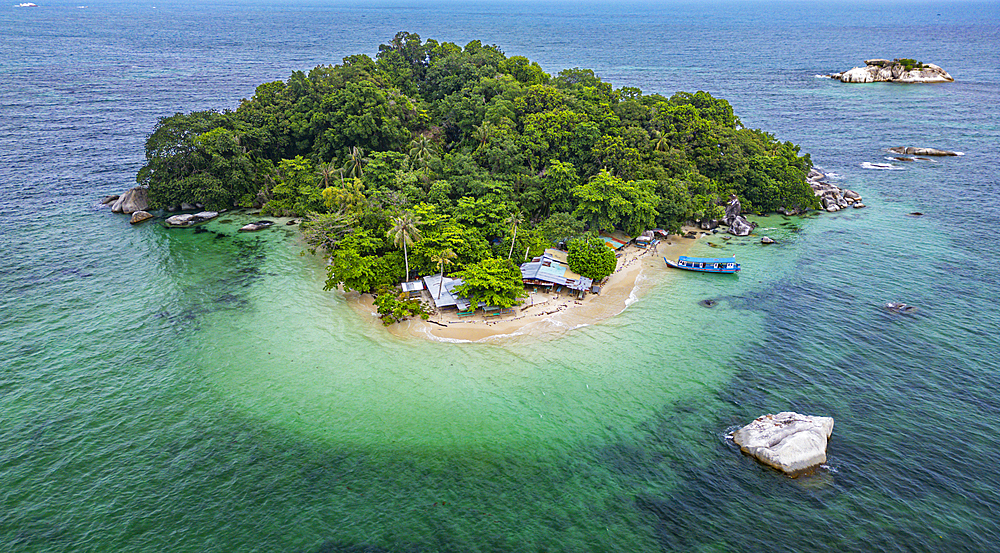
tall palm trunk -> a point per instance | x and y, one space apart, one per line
406 259
512 243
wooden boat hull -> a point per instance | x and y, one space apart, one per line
706 268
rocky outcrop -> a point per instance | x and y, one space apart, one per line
910 150
259 225
738 224
741 226
189 219
733 208
832 197
789 442
135 199
767 240
905 71
140 216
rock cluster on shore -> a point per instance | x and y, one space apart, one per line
134 199
789 442
738 224
832 197
894 71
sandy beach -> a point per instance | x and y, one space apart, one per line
544 314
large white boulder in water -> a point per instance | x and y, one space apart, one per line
789 442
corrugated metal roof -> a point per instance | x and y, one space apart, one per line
448 296
446 299
558 255
548 269
413 286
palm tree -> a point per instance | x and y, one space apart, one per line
421 150
404 233
326 171
659 140
356 162
442 259
483 133
513 221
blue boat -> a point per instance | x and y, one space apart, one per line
705 264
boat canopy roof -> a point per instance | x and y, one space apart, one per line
707 259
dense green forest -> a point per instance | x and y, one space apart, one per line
438 158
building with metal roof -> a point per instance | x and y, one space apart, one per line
443 293
551 269
413 287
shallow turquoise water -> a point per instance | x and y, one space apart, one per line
181 391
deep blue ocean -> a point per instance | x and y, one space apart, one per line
173 390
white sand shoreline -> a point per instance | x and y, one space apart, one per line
545 315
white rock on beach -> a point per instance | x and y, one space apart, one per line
789 442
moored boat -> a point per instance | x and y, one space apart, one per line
705 264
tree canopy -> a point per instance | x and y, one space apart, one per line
591 257
482 154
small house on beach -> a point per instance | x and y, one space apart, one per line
442 291
645 239
552 270
413 288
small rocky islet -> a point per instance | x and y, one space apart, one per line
899 70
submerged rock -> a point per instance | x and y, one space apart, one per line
108 199
899 307
259 225
188 219
789 442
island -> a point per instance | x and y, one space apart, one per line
457 181
899 70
